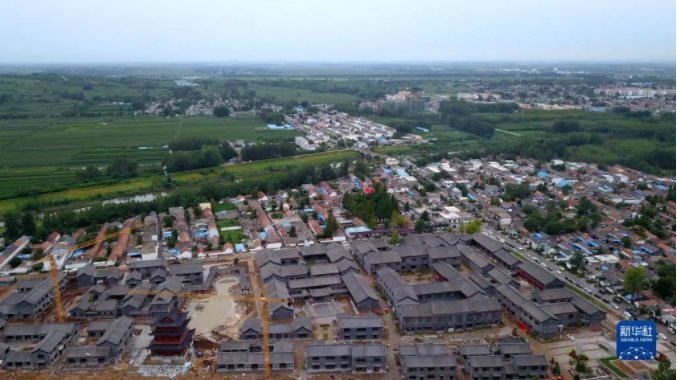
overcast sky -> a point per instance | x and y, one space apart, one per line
79 31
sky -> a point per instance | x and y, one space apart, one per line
79 31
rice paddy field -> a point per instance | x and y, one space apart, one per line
46 152
267 168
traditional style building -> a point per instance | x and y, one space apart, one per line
171 336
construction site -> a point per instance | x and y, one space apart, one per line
270 315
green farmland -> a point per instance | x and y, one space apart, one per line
265 168
46 152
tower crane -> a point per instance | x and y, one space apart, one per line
265 318
54 270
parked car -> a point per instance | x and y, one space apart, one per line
558 272
662 336
627 315
614 306
588 290
544 265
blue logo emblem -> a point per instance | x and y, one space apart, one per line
636 340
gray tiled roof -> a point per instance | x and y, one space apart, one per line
18 357
530 360
537 272
443 252
429 361
479 281
559 308
485 242
384 257
369 350
511 294
347 321
107 305
146 263
552 295
187 268
489 361
358 287
446 270
322 349
507 257
423 349
336 254
87 352
116 331
42 329
278 328
302 323
323 269
474 350
500 276
585 306
514 348
473 256
50 342
251 323
316 282
537 312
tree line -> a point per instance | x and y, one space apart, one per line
18 223
267 151
463 116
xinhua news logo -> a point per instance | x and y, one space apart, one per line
636 340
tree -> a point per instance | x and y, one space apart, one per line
38 267
237 260
420 225
28 223
556 370
38 254
168 221
626 241
394 238
576 260
292 231
221 111
663 372
15 262
473 227
331 227
634 280
580 366
12 226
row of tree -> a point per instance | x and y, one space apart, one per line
267 151
67 221
118 168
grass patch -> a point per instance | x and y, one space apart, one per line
608 363
518 254
587 296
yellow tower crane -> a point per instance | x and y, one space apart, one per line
54 270
265 318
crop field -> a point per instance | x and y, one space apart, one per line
283 95
267 168
45 152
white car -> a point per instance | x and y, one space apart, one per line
588 290
558 272
614 306
544 265
662 336
571 337
627 315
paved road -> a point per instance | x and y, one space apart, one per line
539 259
